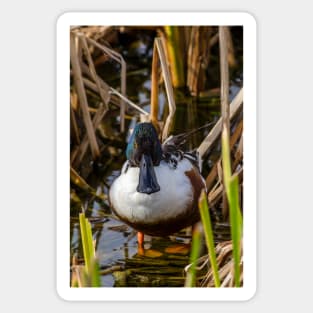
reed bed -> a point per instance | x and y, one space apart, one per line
180 61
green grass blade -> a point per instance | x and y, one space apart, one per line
89 240
226 159
231 187
91 275
208 232
236 226
84 236
194 255
94 273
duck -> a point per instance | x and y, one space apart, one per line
159 185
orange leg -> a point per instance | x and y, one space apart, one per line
140 239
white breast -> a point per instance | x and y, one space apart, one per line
175 194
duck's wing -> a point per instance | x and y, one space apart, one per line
172 147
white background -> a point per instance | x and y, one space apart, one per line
27 167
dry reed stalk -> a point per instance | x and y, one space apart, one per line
212 176
79 181
74 100
168 87
86 71
118 58
77 273
225 264
92 86
217 191
223 40
215 195
234 138
154 88
231 51
215 132
105 92
193 53
105 97
79 152
106 88
224 74
214 40
96 32
236 134
112 269
230 48
219 171
186 35
115 92
78 155
198 58
79 86
74 127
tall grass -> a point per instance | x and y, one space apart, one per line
208 232
91 274
231 188
191 277
232 193
86 236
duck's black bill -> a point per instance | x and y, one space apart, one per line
147 180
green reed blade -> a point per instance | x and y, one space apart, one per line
232 191
208 232
89 240
194 255
84 236
236 226
226 158
91 277
94 273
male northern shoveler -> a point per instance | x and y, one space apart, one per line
158 189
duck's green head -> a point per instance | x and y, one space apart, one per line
144 151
